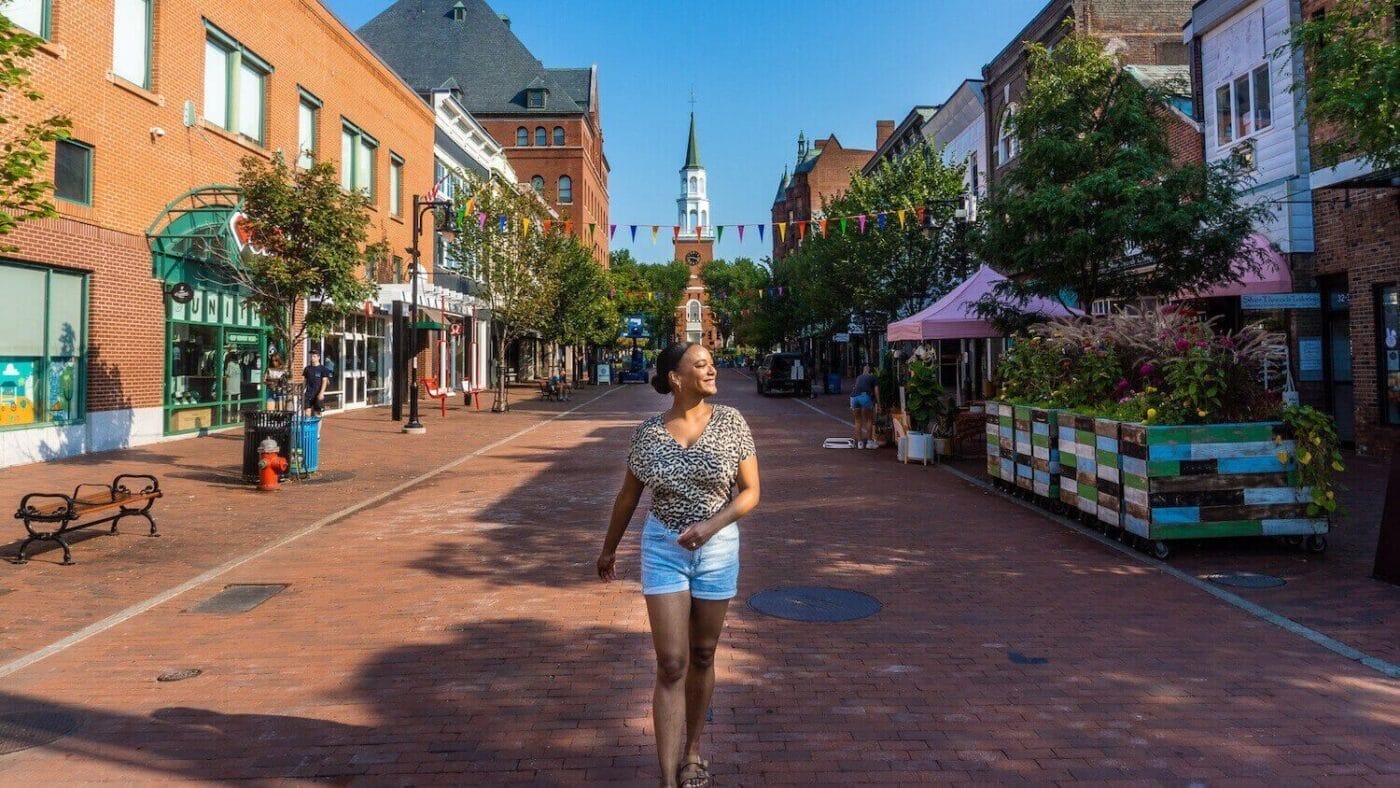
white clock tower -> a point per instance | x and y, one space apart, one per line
693 206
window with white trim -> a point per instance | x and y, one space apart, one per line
131 41
395 184
235 85
1243 106
1007 145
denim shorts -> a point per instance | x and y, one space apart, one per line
862 401
711 572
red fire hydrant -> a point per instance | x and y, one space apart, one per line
271 465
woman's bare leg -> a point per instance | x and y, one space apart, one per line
670 636
706 624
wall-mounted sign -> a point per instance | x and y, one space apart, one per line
1281 301
841 338
241 339
238 224
855 328
1310 358
181 293
456 329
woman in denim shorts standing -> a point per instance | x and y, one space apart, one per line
693 457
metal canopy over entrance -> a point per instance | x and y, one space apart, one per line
191 240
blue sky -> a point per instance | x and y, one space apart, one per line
762 71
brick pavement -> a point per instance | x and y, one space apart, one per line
458 634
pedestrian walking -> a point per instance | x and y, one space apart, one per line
864 394
315 376
693 457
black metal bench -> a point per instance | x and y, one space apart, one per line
117 500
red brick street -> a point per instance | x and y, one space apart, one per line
442 621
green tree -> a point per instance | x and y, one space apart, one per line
581 312
512 264
1353 80
24 152
733 290
1094 204
650 290
311 240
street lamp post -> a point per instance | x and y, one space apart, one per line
442 225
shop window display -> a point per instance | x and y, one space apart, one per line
1389 326
41 346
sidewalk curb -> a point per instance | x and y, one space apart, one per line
1387 669
131 611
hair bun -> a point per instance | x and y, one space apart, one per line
661 384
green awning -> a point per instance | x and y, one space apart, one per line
430 320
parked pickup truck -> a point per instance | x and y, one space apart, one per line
775 374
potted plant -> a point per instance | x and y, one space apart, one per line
927 404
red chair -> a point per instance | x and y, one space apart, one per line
430 387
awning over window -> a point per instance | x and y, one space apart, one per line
430 319
1273 275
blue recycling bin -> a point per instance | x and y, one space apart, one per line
833 383
306 456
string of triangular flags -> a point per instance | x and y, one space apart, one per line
658 295
822 226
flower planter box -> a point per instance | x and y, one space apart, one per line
1108 476
1213 480
1079 476
1001 446
1045 453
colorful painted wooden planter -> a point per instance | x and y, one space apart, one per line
1001 442
1045 453
1079 478
1212 480
1108 477
1022 424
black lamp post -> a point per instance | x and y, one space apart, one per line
442 223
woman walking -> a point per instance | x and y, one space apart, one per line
863 397
692 456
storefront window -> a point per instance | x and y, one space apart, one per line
1389 326
41 346
217 356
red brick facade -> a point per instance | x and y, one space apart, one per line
696 253
821 174
144 156
1356 224
580 158
1139 31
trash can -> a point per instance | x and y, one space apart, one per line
261 424
307 456
833 383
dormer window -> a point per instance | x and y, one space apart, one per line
459 12
534 98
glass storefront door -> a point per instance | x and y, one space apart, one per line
353 352
1336 304
216 352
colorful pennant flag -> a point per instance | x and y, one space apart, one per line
782 231
501 223
760 233
741 233
843 225
654 229
719 233
592 227
861 220
802 230
547 224
900 213
919 212
634 232
823 226
525 226
675 232
481 220
880 221
612 231
568 228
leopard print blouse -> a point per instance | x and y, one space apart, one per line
689 485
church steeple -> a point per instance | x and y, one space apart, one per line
693 206
692 149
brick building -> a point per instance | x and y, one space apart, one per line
822 171
165 99
548 119
1141 32
894 140
1356 222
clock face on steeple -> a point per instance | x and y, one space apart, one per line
692 258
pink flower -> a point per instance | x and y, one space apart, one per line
1182 345
1202 343
1145 370
1226 341
1122 384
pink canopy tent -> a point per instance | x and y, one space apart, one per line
954 316
1273 275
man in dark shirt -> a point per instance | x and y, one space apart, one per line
315 376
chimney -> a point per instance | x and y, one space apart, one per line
884 129
504 19
819 144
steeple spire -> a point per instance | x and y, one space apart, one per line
692 148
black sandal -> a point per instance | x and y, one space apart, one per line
698 771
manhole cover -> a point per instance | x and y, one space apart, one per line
239 598
24 729
1246 580
179 675
814 603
